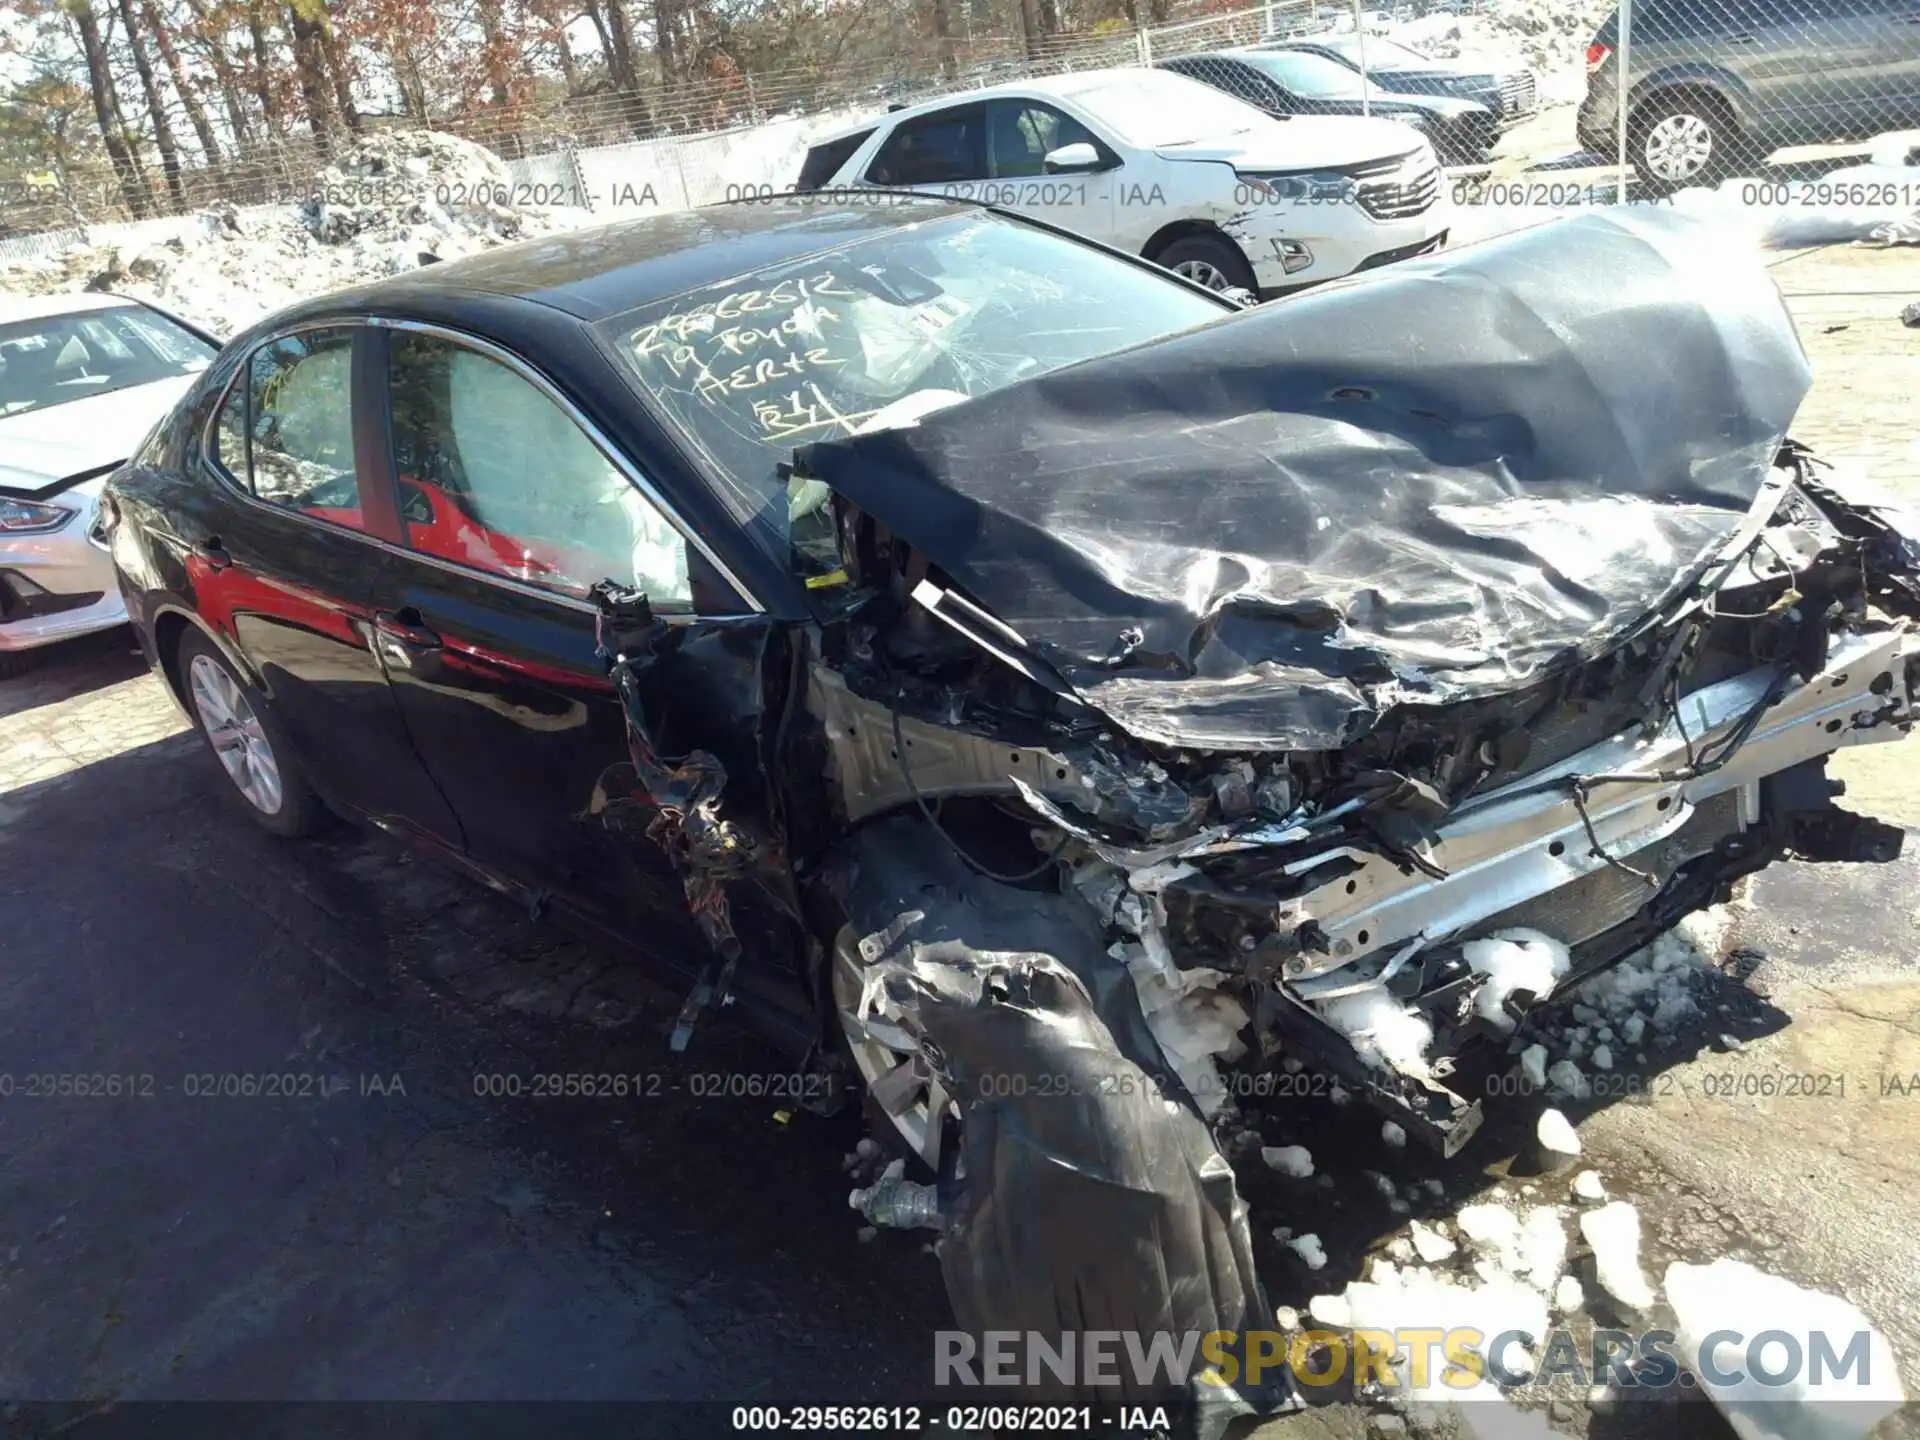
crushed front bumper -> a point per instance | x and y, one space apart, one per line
1525 840
1647 836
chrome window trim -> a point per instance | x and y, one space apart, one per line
608 450
210 453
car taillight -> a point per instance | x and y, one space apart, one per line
1597 56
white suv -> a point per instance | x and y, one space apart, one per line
1164 167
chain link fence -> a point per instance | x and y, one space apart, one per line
1714 87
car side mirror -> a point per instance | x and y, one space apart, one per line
1079 158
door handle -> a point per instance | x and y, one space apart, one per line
406 626
403 640
213 552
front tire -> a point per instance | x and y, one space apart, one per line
1210 260
256 759
17 662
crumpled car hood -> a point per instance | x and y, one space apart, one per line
1433 484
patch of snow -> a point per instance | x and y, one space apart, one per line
1429 1244
1614 1233
1587 1186
1567 1295
1556 1134
1308 1248
1513 960
1292 1160
1331 1310
1566 1078
1543 1248
1385 1033
1191 1017
1398 1302
1730 1295
1529 1245
1533 1066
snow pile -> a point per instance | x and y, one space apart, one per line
389 203
1547 37
1858 1383
1638 1003
1498 1278
1657 983
1867 202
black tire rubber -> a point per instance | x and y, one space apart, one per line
301 812
17 662
1727 146
1214 250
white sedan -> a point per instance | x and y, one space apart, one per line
1164 167
83 378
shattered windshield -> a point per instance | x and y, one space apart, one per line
876 334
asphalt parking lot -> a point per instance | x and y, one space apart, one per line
372 1228
368 1224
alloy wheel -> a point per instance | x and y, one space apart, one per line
1203 272
892 1064
1678 147
236 734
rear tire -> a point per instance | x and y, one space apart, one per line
254 756
1210 260
1681 140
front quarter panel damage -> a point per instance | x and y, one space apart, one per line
1088 1194
711 811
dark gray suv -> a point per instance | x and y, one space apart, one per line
1717 83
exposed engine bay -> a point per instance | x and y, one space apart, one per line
1268 893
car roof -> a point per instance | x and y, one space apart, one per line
611 269
39 307
1061 87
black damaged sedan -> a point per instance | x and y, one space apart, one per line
1043 694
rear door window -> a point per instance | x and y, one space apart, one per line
285 430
